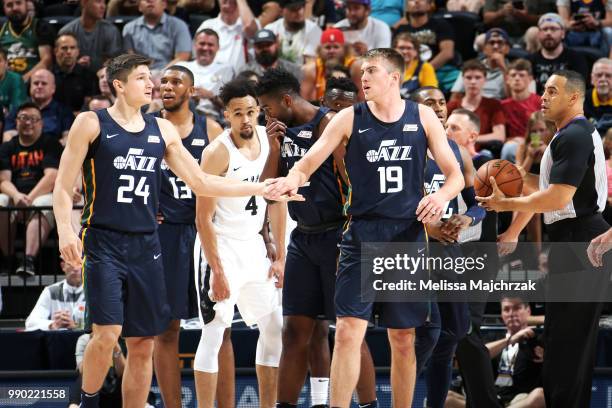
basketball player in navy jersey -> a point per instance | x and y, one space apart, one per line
121 150
177 233
386 204
235 269
454 320
293 126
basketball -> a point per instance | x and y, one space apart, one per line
507 177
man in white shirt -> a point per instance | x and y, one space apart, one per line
235 24
361 30
298 37
210 74
61 305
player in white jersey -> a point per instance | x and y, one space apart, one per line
234 268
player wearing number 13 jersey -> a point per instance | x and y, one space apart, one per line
386 140
120 151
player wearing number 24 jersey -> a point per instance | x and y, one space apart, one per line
120 150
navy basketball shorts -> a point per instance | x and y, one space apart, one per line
177 253
394 315
310 274
124 281
454 316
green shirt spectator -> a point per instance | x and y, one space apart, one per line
12 88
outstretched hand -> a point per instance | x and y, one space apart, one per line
282 189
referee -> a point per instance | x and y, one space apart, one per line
572 195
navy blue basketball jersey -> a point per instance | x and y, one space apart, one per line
434 180
385 163
122 176
177 201
323 194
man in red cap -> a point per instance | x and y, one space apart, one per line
332 52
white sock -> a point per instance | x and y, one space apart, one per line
318 390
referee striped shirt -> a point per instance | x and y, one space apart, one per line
575 157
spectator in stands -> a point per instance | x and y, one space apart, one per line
163 38
387 11
598 101
98 102
340 93
463 127
588 23
209 73
332 52
417 73
98 39
554 56
298 37
103 84
515 17
361 30
496 49
57 118
267 55
26 40
110 393
492 119
28 166
520 360
518 107
74 83
12 87
173 8
60 305
122 8
235 25
436 37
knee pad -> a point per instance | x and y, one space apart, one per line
207 355
270 343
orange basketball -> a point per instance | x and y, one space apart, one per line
507 177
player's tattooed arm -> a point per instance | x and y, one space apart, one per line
82 133
215 159
336 132
431 207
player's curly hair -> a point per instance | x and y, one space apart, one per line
237 88
276 81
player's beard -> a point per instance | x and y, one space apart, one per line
246 134
178 102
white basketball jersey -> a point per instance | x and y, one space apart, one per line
242 217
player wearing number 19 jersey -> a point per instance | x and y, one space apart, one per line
386 139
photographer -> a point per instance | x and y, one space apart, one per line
518 357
